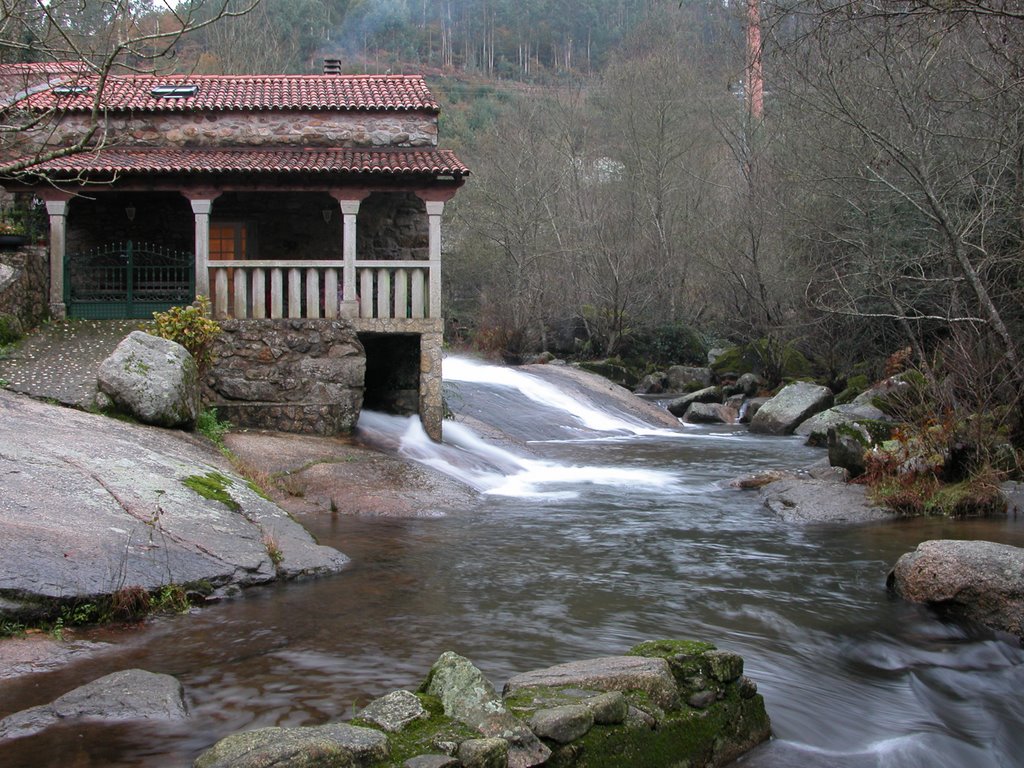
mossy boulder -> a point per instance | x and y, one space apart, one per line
613 369
665 703
764 358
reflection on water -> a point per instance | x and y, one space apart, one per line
567 568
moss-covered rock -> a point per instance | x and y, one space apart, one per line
613 369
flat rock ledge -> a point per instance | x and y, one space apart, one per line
666 702
808 500
974 581
92 505
131 694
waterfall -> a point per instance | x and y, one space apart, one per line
496 470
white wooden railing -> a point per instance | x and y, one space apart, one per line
312 289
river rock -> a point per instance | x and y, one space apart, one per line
748 385
810 500
92 504
647 715
562 724
679 405
710 413
609 673
816 428
152 379
335 745
679 378
395 711
796 403
467 696
849 444
483 753
651 384
131 694
975 581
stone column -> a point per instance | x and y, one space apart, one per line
57 210
201 207
434 211
349 306
431 393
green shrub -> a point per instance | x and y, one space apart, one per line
209 425
190 326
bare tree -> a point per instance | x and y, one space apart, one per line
911 117
83 43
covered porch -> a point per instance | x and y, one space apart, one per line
267 236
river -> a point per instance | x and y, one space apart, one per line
593 532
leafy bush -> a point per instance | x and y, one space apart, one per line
209 425
190 326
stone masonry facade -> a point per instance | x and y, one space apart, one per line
323 129
25 284
302 376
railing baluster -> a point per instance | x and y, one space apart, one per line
220 304
330 292
418 294
259 293
312 292
294 292
401 293
383 292
277 293
240 311
366 293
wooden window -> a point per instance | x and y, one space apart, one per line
229 240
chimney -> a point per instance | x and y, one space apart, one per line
332 66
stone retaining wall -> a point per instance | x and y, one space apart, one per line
289 375
25 284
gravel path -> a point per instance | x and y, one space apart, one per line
58 361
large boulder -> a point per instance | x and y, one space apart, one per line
816 428
679 405
152 379
335 745
680 378
975 581
796 403
467 696
131 694
710 413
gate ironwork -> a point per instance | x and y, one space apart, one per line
131 280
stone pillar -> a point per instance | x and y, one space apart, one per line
434 211
57 210
201 208
431 394
349 306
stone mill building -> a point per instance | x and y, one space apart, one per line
306 207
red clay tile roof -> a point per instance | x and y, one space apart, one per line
220 93
130 160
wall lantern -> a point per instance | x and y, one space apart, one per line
327 213
129 211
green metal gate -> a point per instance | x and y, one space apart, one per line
131 280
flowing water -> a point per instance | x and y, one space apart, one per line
594 531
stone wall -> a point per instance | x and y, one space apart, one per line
289 375
393 226
25 284
304 129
